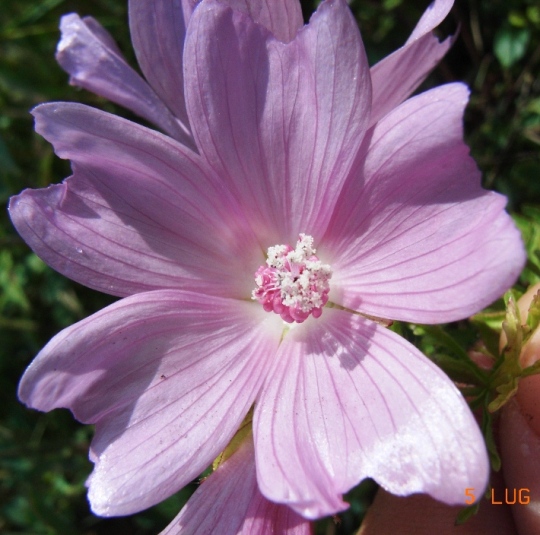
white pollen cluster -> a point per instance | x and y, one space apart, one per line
294 282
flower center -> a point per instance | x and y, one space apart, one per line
294 282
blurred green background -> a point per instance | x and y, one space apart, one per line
43 457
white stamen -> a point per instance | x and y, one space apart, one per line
294 283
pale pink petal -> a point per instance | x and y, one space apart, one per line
348 399
396 76
282 17
279 122
229 503
264 517
99 32
158 31
431 18
166 377
417 238
140 213
88 54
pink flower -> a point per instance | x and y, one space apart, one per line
307 200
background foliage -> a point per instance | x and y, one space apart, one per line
43 457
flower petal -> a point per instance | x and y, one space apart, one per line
431 18
88 54
140 213
230 499
279 122
396 76
348 399
166 376
282 18
419 239
158 30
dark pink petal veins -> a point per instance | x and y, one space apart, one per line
417 238
166 377
229 503
348 399
140 213
280 123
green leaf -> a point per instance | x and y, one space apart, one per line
507 371
466 513
492 319
517 19
457 364
533 14
534 106
11 283
533 318
510 45
489 325
491 445
6 161
34 12
244 431
529 225
389 5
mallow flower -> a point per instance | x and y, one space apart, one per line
297 203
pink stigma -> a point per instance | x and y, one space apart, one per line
294 282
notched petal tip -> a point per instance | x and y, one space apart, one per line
46 118
435 246
380 409
69 25
435 13
24 207
88 53
130 369
397 76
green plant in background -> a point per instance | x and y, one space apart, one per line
43 456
